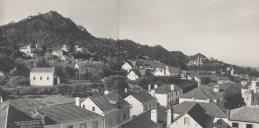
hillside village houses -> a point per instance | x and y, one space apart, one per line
43 76
167 94
140 102
111 105
154 67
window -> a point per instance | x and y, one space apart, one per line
93 108
95 124
186 121
34 78
41 78
70 127
124 116
235 125
82 125
249 126
47 78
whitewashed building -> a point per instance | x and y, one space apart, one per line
140 102
134 75
167 95
199 115
127 66
42 76
112 106
27 50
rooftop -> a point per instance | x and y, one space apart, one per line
109 101
245 114
141 121
209 108
143 97
43 69
166 88
68 113
203 93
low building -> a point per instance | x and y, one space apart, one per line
112 106
127 66
27 50
223 80
244 117
167 95
140 102
134 75
199 115
42 76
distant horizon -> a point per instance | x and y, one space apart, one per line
229 26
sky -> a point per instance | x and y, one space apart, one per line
227 30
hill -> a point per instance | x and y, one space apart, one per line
52 30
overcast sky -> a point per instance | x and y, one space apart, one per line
223 29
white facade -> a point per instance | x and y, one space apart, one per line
42 78
137 107
186 121
167 99
127 67
112 118
243 124
132 76
27 50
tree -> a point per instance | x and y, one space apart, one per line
6 63
22 67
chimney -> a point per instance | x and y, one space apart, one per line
149 87
125 90
152 92
77 100
216 88
155 86
169 116
106 92
172 87
1 100
154 115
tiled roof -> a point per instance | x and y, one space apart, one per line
203 93
141 121
67 113
245 114
10 115
198 114
166 88
210 109
43 69
143 97
109 102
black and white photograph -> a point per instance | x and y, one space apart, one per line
129 64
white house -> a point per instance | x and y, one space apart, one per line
167 95
244 117
64 48
134 75
27 50
140 102
78 49
199 115
127 66
112 106
59 53
42 76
